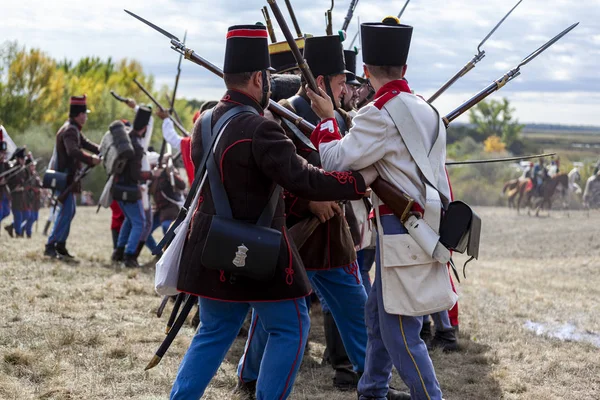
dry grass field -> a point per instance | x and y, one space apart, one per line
87 330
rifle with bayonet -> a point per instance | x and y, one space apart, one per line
504 79
160 107
328 20
388 193
349 14
471 64
265 12
293 17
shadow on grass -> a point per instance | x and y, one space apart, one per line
468 373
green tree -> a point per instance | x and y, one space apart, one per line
496 118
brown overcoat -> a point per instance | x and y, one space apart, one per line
331 245
253 155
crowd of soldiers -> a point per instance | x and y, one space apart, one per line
262 175
20 191
257 162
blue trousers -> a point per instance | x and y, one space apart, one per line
131 231
345 297
30 219
4 206
18 219
394 341
62 224
366 259
286 323
150 242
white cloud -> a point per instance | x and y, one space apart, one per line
446 36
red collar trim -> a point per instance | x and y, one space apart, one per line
242 98
399 85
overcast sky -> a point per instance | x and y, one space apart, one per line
560 86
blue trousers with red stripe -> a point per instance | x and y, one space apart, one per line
345 296
286 323
394 341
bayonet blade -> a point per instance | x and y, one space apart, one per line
497 26
548 44
403 8
151 25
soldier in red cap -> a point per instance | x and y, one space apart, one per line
247 167
68 157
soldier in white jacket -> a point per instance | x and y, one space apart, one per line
405 139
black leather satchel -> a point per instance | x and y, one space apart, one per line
126 193
54 180
234 246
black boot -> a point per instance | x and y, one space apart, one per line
50 251
115 237
394 394
245 390
118 254
61 248
130 261
10 230
425 333
139 249
445 340
345 378
47 227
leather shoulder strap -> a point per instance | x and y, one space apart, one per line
304 110
220 198
341 121
404 121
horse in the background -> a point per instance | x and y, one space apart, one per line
512 188
542 198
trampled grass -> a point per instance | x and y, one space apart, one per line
87 330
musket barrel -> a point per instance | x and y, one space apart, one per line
147 93
451 82
471 102
308 76
265 12
293 17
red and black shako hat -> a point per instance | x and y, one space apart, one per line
325 55
78 105
247 49
385 43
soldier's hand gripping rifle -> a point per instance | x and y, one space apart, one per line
471 64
